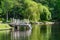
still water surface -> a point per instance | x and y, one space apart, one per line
38 32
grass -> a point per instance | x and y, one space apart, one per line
4 26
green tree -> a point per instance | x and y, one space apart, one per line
25 9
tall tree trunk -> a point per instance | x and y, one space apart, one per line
7 16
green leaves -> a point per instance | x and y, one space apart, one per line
0 10
27 9
35 10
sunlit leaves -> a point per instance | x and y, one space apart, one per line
35 10
32 11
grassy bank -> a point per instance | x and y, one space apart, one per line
4 26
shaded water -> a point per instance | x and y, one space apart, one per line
38 32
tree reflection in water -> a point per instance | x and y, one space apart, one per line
20 35
38 32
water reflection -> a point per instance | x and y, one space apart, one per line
41 32
55 32
5 35
20 35
38 32
45 32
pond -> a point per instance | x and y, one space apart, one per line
38 32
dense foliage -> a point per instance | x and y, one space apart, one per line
34 10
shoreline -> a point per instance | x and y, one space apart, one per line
45 23
6 25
